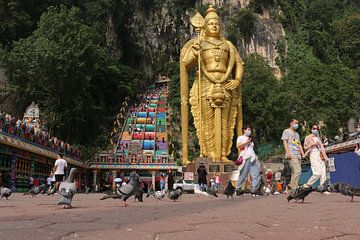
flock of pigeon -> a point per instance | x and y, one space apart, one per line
133 188
67 191
345 189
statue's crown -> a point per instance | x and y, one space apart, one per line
211 14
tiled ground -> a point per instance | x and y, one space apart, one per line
193 217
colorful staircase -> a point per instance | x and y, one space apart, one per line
144 139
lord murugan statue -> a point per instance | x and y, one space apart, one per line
215 97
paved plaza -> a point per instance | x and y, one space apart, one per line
193 217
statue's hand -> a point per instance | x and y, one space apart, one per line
232 84
196 47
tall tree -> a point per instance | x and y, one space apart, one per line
63 67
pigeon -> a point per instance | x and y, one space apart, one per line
345 189
36 190
229 190
5 192
139 195
67 189
211 192
126 191
52 191
323 187
159 195
87 190
299 193
199 192
174 195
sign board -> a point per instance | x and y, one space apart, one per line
229 167
188 176
214 168
277 176
332 164
235 175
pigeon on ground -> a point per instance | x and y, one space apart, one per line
126 191
5 192
299 193
345 189
323 187
52 191
139 195
158 194
36 190
87 190
67 189
211 192
174 195
199 192
229 190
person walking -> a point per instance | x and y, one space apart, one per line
217 182
59 170
202 173
170 180
293 151
318 156
162 182
31 182
286 173
250 163
48 181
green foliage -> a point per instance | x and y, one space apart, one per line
312 91
347 37
259 87
63 66
15 22
242 25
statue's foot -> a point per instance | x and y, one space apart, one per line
224 159
211 155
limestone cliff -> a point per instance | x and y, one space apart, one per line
159 31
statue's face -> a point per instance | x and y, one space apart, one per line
213 28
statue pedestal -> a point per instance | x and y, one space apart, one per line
223 168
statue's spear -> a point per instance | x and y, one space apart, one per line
198 23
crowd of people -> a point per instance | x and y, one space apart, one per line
250 177
35 130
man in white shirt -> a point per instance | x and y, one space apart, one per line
59 170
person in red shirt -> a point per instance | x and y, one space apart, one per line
36 182
268 176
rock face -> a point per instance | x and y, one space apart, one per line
160 31
264 41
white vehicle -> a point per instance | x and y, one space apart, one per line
184 185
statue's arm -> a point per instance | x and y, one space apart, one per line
239 70
189 55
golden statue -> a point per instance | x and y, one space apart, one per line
215 97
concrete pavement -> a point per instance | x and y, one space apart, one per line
193 217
